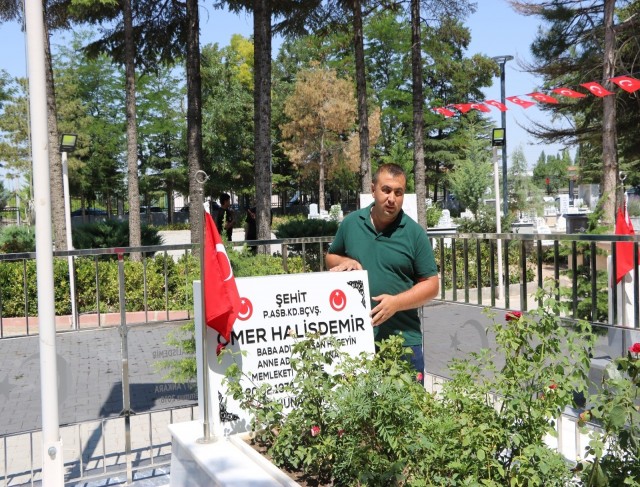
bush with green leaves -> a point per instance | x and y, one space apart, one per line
299 228
613 454
16 239
368 421
477 267
111 233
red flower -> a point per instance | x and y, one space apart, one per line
220 348
635 348
315 430
513 315
340 433
419 376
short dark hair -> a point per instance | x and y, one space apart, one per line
390 168
224 197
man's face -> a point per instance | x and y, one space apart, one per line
388 194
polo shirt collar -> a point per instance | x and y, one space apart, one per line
400 221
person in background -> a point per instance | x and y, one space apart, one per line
225 218
251 231
396 253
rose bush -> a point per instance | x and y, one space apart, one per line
368 420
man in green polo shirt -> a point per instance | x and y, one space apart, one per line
397 255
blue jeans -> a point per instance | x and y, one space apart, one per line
417 358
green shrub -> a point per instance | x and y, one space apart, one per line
370 422
15 239
478 267
111 233
298 228
614 449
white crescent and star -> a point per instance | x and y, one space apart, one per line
221 250
338 300
247 309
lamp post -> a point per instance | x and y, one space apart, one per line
498 137
502 60
68 144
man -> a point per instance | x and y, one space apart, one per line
397 255
225 218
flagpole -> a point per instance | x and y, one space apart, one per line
201 177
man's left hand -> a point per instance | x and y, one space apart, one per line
385 309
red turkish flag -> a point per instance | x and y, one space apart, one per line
494 103
624 250
463 107
627 83
542 97
444 111
569 92
597 89
480 107
520 101
221 298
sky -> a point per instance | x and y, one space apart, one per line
495 30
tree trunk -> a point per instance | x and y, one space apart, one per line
262 117
55 159
194 120
418 116
132 131
610 176
361 88
321 205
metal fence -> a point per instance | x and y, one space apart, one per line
95 450
117 403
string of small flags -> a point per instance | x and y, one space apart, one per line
627 83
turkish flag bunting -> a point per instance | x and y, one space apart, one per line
221 298
597 89
624 250
569 92
542 97
480 107
627 83
520 101
494 103
463 107
444 111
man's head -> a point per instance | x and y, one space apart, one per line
388 188
225 200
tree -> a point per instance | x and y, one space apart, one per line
135 237
227 101
448 9
583 38
56 16
322 113
14 125
90 93
472 174
524 196
4 196
161 131
553 168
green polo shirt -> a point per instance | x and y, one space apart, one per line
394 259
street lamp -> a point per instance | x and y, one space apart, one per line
68 144
498 136
502 60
